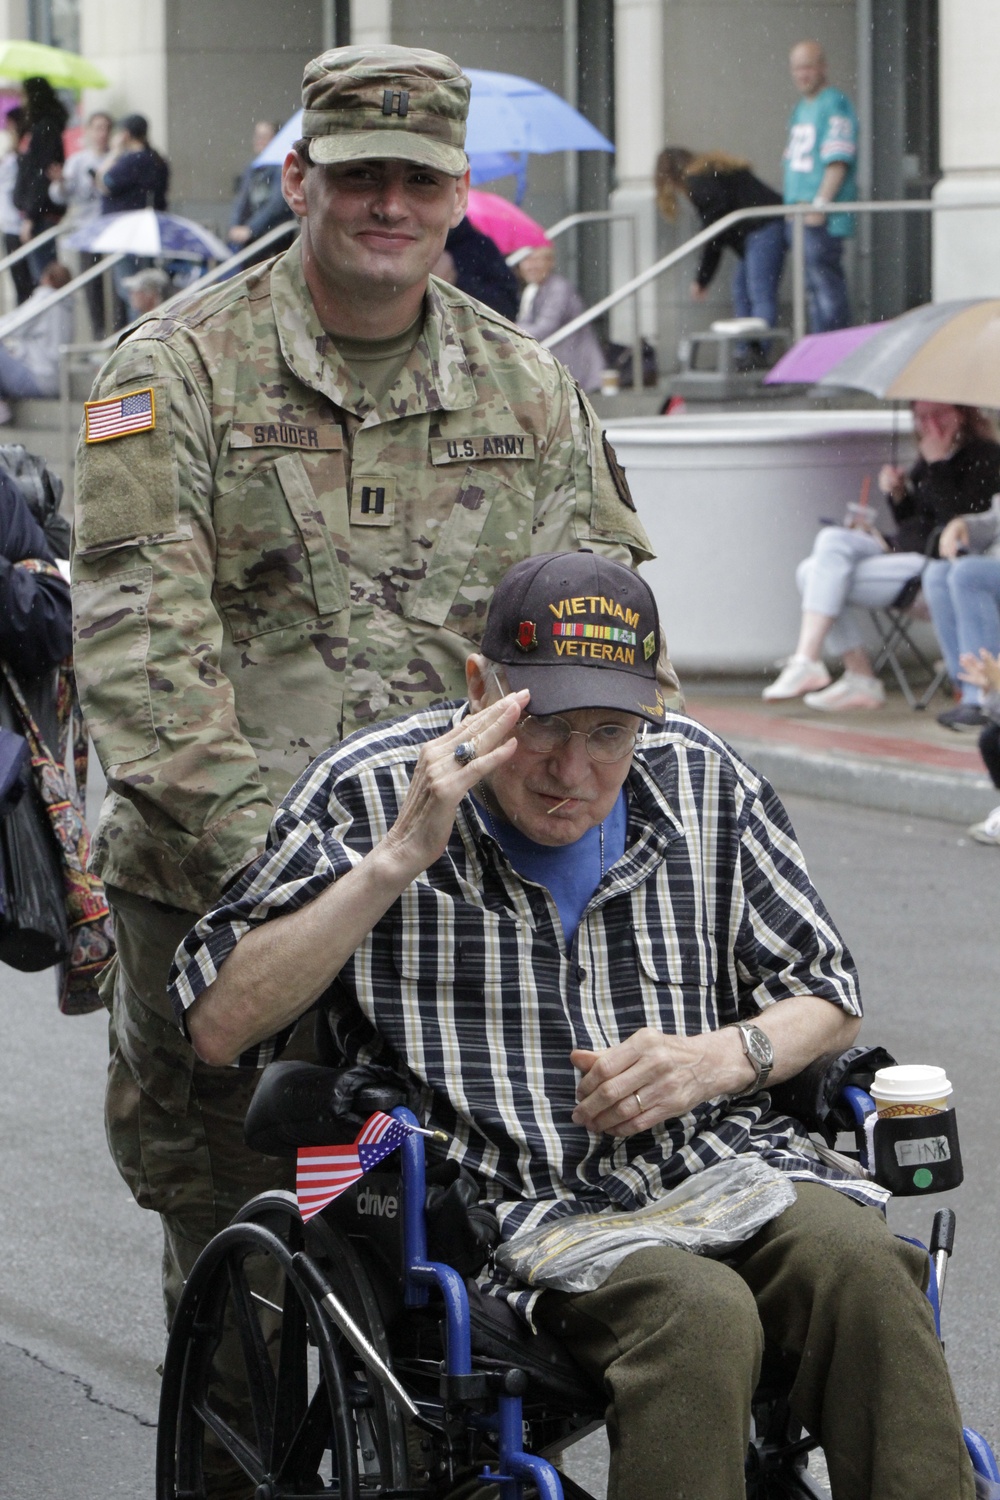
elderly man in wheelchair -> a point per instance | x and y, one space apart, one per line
573 938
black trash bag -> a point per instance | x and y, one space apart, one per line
460 1230
619 357
307 1104
33 929
42 489
15 763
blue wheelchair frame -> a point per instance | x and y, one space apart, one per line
420 1274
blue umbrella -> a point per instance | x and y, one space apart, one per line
507 115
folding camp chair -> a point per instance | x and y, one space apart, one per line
893 624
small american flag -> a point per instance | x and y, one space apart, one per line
324 1172
135 412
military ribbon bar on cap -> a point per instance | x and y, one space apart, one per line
119 416
324 1172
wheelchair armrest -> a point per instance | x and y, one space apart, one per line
307 1104
815 1096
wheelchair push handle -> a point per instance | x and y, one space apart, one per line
943 1232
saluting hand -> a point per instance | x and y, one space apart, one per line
420 834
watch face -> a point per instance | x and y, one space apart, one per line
759 1046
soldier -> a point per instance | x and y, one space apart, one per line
295 496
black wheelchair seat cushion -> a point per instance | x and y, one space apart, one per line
554 1376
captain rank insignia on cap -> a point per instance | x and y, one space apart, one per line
527 635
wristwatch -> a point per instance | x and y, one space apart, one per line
758 1048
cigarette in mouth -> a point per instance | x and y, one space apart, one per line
558 806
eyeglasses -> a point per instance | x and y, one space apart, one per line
545 734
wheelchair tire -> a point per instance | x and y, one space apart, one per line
309 1411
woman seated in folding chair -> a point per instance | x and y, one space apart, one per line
957 472
962 590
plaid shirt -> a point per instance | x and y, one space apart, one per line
467 982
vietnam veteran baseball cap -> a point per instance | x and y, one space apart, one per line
579 631
392 102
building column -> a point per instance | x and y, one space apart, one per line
128 43
371 22
639 138
967 245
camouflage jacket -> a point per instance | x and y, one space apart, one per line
274 561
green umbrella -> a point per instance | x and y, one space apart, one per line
64 70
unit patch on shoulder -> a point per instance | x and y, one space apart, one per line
119 416
617 474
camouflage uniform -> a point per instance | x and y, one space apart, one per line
274 564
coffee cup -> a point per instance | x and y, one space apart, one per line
910 1089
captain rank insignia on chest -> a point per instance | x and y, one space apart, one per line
373 500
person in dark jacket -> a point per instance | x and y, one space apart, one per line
36 628
716 185
259 204
481 271
45 119
134 176
956 473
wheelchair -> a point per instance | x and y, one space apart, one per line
372 1368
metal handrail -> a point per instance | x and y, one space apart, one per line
23 251
797 212
217 273
19 317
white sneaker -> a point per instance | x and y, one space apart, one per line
850 691
988 831
799 675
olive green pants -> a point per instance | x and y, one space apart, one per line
175 1125
678 1339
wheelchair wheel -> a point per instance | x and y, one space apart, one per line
383 1450
306 1422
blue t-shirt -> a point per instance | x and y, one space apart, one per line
822 130
570 873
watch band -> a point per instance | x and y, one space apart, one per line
758 1048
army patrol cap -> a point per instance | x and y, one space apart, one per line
579 631
397 103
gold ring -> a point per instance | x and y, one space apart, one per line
638 1100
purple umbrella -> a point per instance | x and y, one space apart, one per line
815 355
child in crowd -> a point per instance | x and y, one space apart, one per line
983 671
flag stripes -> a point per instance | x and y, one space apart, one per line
324 1172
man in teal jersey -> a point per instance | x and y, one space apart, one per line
821 168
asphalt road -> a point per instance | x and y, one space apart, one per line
80 1325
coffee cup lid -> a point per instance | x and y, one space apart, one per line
911 1083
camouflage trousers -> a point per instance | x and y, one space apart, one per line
174 1124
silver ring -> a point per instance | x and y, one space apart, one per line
637 1099
465 752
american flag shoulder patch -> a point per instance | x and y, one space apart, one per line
119 416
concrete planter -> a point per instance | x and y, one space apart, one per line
731 502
